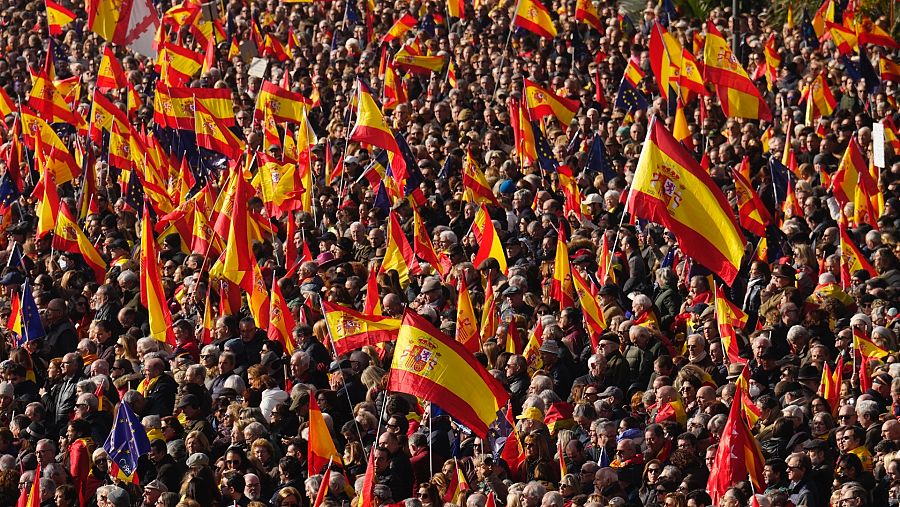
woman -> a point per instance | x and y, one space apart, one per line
264 455
429 496
287 497
647 491
126 348
569 488
354 460
538 464
666 297
674 500
65 496
195 442
171 428
100 467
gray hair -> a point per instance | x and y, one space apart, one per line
118 497
868 407
148 344
128 276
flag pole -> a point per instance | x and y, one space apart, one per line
430 430
506 47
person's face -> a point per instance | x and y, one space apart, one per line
381 461
232 461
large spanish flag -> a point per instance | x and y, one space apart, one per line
737 94
852 259
586 11
670 188
350 329
534 17
371 128
432 366
542 102
152 296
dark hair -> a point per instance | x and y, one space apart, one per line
80 427
290 467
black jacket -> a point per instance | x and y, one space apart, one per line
161 397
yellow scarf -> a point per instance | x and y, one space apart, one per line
146 385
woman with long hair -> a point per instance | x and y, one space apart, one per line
288 497
429 496
538 463
647 491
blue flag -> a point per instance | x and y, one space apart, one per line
629 99
29 319
126 443
809 33
545 156
598 161
8 192
781 178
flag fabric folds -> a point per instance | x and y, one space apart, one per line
70 238
400 27
126 443
738 455
57 17
737 94
542 102
350 329
133 24
321 450
670 188
431 365
152 296
25 319
534 17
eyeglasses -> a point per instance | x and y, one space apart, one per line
232 462
845 416
652 470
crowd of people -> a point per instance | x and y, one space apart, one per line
628 417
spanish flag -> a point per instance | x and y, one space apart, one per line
593 314
844 37
851 258
371 128
415 63
213 135
475 186
737 94
422 245
432 366
561 284
830 386
320 445
177 64
399 254
673 65
752 213
670 188
456 9
737 441
401 26
534 17
70 238
586 11
394 89
110 75
47 208
7 105
866 347
489 320
350 329
48 102
870 33
233 224
152 296
103 114
59 161
820 100
57 17
542 102
466 324
489 241
890 71
852 169
285 105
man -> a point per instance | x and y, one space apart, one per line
867 412
101 333
802 493
419 459
560 373
232 488
63 395
399 467
194 418
821 470
100 421
253 339
697 356
609 302
303 372
517 380
227 364
617 369
152 491
638 277
641 353
852 441
252 487
61 336
319 356
157 388
168 471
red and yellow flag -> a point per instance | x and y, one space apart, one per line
488 240
320 446
152 296
432 366
586 11
866 347
737 93
852 169
400 27
670 188
47 208
542 102
213 135
561 284
593 314
399 255
110 75
394 89
422 245
752 213
57 17
456 9
70 238
350 329
890 71
284 105
466 325
475 186
534 17
738 455
489 317
281 321
852 259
